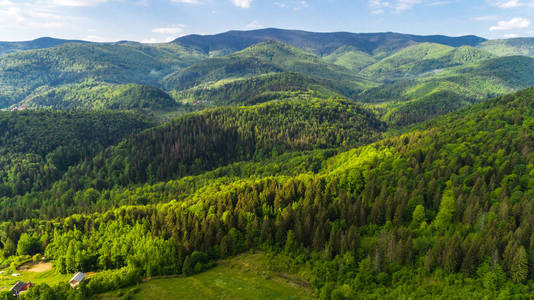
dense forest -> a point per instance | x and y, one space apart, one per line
446 202
37 147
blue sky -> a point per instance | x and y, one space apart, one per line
164 20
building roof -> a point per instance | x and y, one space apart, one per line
18 287
78 277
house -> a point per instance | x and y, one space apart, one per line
19 287
77 279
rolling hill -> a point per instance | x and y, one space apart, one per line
411 101
260 89
508 47
266 57
99 96
25 71
421 58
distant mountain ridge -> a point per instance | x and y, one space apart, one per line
40 43
319 43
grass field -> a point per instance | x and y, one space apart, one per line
242 277
40 273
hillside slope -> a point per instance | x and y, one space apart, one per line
212 138
267 57
99 96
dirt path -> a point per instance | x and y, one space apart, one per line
37 268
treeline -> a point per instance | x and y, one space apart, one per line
451 202
37 147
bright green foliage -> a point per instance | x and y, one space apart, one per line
350 58
28 245
446 211
418 216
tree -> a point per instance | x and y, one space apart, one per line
418 216
446 211
187 268
519 267
28 245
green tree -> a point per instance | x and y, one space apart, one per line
519 267
418 216
446 211
28 245
187 268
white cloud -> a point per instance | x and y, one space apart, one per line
78 2
187 1
295 5
485 18
173 29
32 15
154 40
512 3
508 3
254 25
403 5
97 39
398 6
511 35
515 23
242 3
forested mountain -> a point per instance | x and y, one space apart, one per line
388 68
40 43
96 95
25 71
212 138
415 60
260 89
516 46
447 202
266 57
37 147
376 44
441 92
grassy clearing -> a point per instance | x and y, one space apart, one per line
32 274
242 277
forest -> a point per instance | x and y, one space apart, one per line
378 166
448 201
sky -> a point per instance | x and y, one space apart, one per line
165 20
